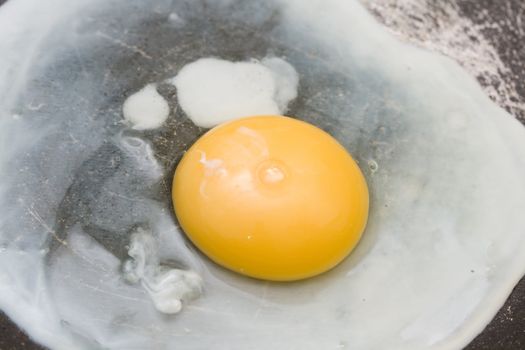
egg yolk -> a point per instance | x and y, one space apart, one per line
271 197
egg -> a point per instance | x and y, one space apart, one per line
100 100
271 197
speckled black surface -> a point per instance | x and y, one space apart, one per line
507 330
507 37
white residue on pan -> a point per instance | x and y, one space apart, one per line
439 26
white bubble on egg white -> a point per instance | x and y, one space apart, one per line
212 91
146 109
167 287
442 250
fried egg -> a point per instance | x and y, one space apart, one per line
91 254
271 197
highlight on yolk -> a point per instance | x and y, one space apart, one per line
271 197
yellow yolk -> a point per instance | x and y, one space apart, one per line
271 197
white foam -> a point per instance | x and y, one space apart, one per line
212 91
167 287
146 109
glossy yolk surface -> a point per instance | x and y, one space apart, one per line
271 197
